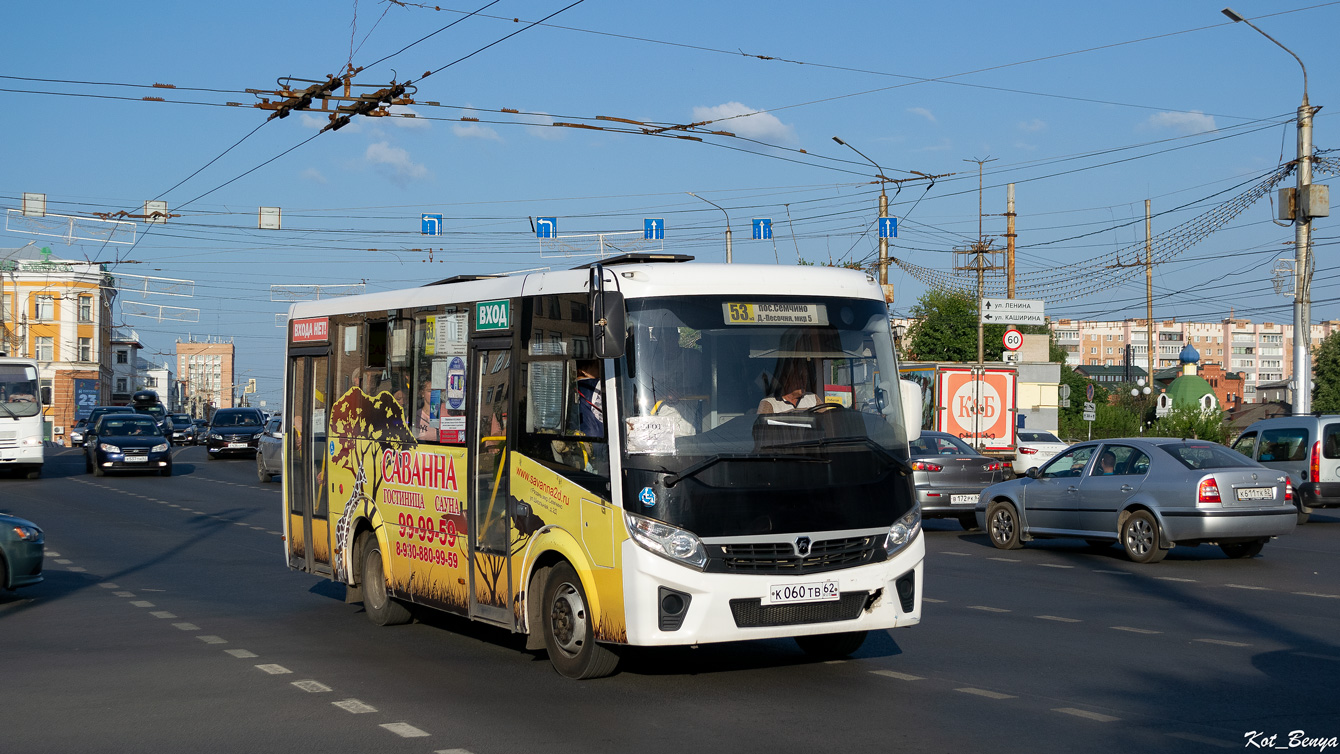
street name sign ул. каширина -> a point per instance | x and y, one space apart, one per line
1011 311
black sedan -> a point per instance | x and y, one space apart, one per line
234 431
21 544
127 442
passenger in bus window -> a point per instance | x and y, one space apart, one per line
426 429
590 398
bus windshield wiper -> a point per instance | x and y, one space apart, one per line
9 411
713 460
904 467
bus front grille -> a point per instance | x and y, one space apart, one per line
751 613
781 557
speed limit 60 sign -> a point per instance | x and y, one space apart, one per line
1014 340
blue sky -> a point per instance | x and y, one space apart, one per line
1198 109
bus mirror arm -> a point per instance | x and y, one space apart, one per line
609 317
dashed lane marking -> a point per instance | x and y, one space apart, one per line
1248 586
404 730
62 561
1135 630
453 751
1054 565
312 687
987 609
987 694
123 594
951 552
186 626
1086 714
77 569
353 706
1005 560
1222 642
108 585
241 654
51 554
1204 740
1058 619
899 676
1318 594
929 599
835 662
142 603
212 639
274 669
162 614
1174 578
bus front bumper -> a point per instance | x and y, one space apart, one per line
22 455
728 606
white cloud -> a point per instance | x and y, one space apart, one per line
395 161
475 131
1193 122
1032 126
923 112
764 126
543 128
407 122
313 175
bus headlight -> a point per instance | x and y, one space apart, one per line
31 441
903 531
104 447
667 541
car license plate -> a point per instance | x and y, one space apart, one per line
1256 493
962 499
815 591
237 445
137 459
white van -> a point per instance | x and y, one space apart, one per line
1305 447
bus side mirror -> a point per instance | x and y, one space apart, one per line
910 392
609 318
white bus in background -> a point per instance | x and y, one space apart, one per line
21 420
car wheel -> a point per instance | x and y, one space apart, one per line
261 473
381 607
569 632
1098 544
831 646
1243 549
1303 515
1140 538
1002 524
968 521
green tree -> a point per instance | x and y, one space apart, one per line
1326 373
945 329
1192 423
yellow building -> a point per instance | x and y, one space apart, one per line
59 313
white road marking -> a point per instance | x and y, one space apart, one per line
1174 578
108 585
987 694
404 730
950 552
312 687
1204 740
274 669
239 523
273 532
1246 586
162 614
1318 594
212 639
76 569
988 609
1114 573
1054 565
1086 714
1135 630
834 662
259 528
354 706
899 676
1222 642
1317 657
1005 560
51 554
62 561
929 599
186 626
142 603
1058 619
241 654
123 594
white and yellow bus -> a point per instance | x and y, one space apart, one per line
640 452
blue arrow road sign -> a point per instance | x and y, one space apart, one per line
546 227
653 229
888 227
432 225
762 228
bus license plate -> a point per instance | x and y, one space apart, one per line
137 459
815 591
1256 493
962 499
237 445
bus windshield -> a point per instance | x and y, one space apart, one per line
752 400
18 391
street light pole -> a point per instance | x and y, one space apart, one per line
883 212
724 212
1302 241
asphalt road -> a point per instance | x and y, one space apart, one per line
169 621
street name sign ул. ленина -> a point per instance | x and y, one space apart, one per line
1011 311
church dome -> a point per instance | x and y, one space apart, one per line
1189 355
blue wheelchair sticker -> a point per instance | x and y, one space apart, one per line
647 497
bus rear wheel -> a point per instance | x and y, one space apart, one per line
831 646
569 635
381 607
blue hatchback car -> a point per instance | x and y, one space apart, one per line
21 547
127 442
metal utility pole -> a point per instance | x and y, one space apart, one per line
1303 208
883 212
1149 295
724 212
1009 241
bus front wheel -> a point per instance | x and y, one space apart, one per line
381 607
569 635
831 646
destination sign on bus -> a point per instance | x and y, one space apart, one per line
312 329
775 314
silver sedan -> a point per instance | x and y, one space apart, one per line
949 476
1146 494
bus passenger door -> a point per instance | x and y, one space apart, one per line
490 392
305 470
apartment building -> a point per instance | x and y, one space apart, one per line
205 375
